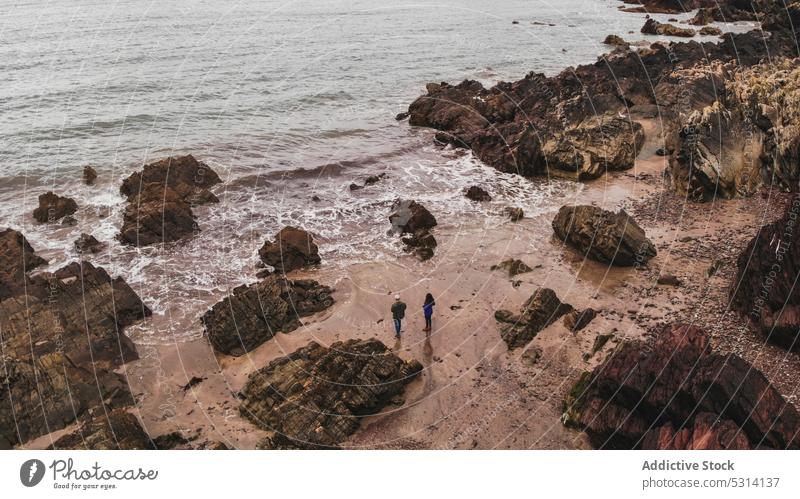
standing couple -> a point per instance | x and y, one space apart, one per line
399 313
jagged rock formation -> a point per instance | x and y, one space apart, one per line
513 126
255 313
292 249
613 238
315 397
160 200
87 243
62 340
409 216
116 430
539 311
89 175
53 208
579 319
512 266
765 288
676 393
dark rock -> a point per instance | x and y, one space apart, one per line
315 397
292 249
616 41
52 208
421 243
477 193
116 430
160 200
374 179
409 216
17 258
599 342
577 320
356 187
170 441
653 27
532 355
401 116
87 243
512 266
253 314
671 382
669 280
661 151
194 381
515 214
710 31
539 311
62 342
604 236
765 288
89 175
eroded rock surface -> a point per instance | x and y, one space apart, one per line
255 313
116 430
613 238
676 393
316 397
409 216
53 208
62 341
17 257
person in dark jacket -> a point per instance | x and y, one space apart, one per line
398 314
427 309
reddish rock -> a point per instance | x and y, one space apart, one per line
292 249
87 243
52 208
670 382
477 193
16 259
765 288
189 178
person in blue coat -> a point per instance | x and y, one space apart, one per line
427 309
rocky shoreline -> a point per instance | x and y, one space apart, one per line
642 277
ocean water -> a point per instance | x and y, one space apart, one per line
284 99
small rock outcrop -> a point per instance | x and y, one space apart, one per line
579 319
512 266
53 208
765 288
539 311
117 430
409 216
676 393
89 175
477 193
160 200
513 213
62 343
604 236
421 243
616 41
292 249
315 397
255 313
653 27
87 243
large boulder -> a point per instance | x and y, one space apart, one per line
116 430
16 259
62 343
765 288
255 313
539 311
409 216
675 392
421 243
315 397
53 208
292 249
160 200
613 238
